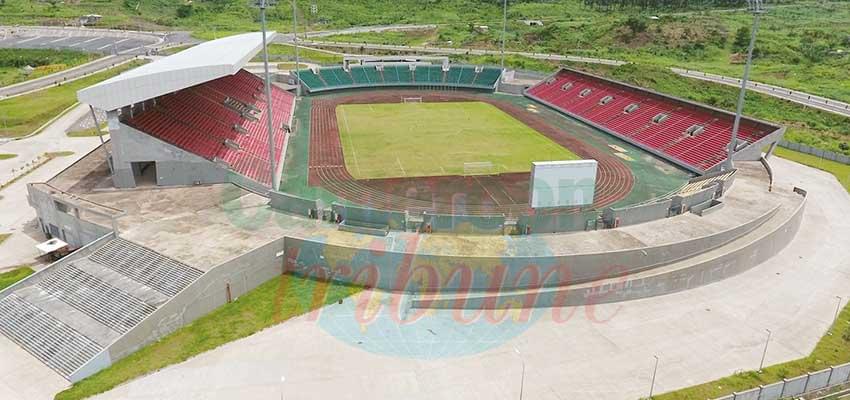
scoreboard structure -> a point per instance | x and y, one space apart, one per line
562 183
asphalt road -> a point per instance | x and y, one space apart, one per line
806 99
117 47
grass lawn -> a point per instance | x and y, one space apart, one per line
90 132
279 51
269 304
9 278
43 61
841 171
24 114
6 156
433 139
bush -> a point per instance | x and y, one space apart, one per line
185 11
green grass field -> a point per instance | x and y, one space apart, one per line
433 139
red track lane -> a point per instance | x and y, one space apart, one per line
327 163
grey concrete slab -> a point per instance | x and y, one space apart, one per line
23 377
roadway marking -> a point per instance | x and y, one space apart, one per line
60 39
105 46
122 41
92 39
27 40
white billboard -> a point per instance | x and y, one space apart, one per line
562 183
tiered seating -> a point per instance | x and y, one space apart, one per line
399 75
582 96
203 119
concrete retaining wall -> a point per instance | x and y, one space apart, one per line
353 214
636 287
292 204
556 223
638 214
469 224
398 270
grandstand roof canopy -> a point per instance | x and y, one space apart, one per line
190 67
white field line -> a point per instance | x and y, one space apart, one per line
350 141
403 172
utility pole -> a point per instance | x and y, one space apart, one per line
295 43
755 7
268 86
504 29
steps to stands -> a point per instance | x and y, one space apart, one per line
66 314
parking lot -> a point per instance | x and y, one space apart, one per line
89 44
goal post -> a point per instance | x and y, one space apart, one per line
411 99
478 168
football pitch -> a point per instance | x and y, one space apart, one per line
434 139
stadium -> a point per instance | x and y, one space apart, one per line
406 175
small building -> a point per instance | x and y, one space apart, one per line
90 19
532 22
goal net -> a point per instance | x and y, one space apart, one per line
478 168
411 99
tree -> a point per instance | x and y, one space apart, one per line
742 40
185 10
636 24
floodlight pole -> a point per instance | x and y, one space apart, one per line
504 30
268 87
295 43
756 8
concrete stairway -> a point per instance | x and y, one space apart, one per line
66 314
